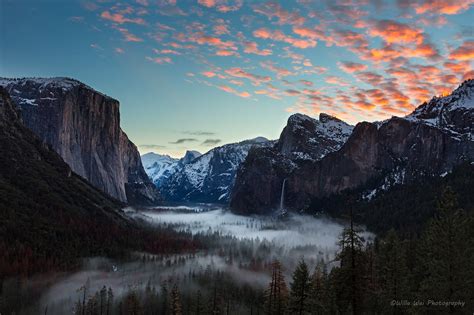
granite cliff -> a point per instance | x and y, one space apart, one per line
83 127
432 140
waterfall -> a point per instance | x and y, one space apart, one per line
282 197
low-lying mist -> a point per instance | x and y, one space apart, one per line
238 247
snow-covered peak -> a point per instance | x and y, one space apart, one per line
190 156
42 84
299 118
306 138
151 158
158 167
460 98
209 177
453 113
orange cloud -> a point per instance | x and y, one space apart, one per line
209 74
351 67
370 77
280 72
292 92
160 60
252 48
240 73
395 32
458 68
207 3
275 10
468 75
378 97
347 38
222 5
221 29
224 52
231 90
306 82
120 19
128 37
463 52
309 33
442 6
280 36
332 79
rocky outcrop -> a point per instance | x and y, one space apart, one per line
304 140
429 142
83 127
209 177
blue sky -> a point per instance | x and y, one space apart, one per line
196 74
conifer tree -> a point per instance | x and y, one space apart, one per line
276 296
445 255
110 301
199 305
299 302
132 304
103 301
350 275
392 272
319 297
176 308
164 299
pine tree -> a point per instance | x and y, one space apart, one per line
445 255
392 272
299 302
176 308
110 301
319 298
348 279
132 304
199 305
103 301
276 296
164 298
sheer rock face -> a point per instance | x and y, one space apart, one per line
304 140
83 127
429 142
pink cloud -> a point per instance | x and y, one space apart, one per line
280 36
254 78
280 71
306 82
463 52
121 19
222 5
351 67
332 79
442 6
160 60
275 10
395 32
128 37
231 90
252 48
209 74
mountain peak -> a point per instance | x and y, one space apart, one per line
323 117
189 156
42 84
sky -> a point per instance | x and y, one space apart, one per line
195 74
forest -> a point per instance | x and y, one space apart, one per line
429 273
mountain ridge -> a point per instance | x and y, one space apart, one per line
83 126
394 151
